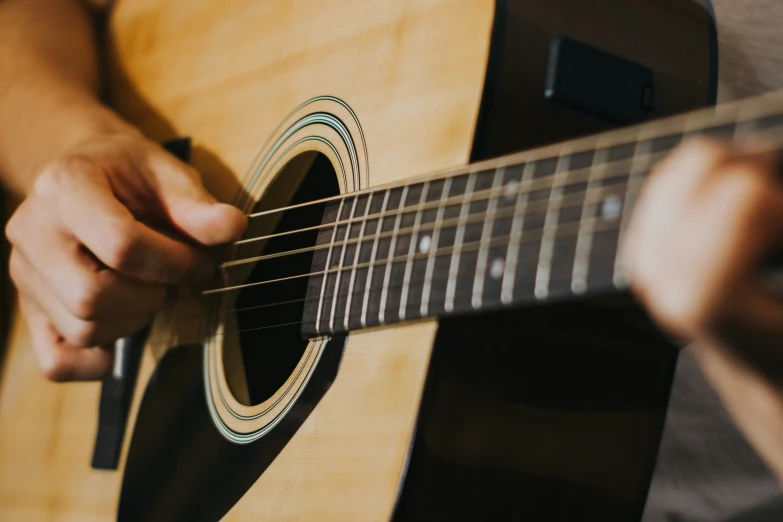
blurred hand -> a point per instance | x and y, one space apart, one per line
106 229
704 227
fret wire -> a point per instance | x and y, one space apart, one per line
532 236
749 125
639 168
341 264
619 173
392 245
356 261
486 233
768 105
472 246
328 260
427 289
596 196
451 285
546 252
759 107
411 249
577 175
747 119
517 224
367 284
500 240
720 115
584 239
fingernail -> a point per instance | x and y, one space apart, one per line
220 204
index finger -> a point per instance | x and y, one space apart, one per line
92 213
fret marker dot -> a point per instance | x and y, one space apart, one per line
496 268
511 190
424 244
611 207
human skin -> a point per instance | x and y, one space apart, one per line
110 220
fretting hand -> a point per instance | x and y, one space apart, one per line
704 228
107 227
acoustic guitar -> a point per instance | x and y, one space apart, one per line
409 329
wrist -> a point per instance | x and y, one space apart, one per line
49 125
90 122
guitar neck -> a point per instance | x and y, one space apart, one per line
527 228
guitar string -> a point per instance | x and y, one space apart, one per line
276 304
527 187
501 193
475 217
352 315
471 247
532 185
592 197
355 315
434 279
344 295
537 154
494 242
729 113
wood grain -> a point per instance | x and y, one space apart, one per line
46 437
226 74
412 71
346 461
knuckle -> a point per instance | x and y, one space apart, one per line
52 179
99 367
54 365
676 307
57 175
639 281
85 300
633 274
674 301
119 249
82 334
13 228
15 268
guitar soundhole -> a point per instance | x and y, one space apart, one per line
268 315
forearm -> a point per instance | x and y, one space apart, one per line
49 83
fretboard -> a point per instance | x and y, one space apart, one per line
527 228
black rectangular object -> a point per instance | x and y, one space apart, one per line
117 391
598 84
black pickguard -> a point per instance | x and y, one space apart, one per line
179 467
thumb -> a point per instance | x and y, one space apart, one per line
191 208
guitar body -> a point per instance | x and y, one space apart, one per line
545 414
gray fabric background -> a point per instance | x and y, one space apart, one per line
706 471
